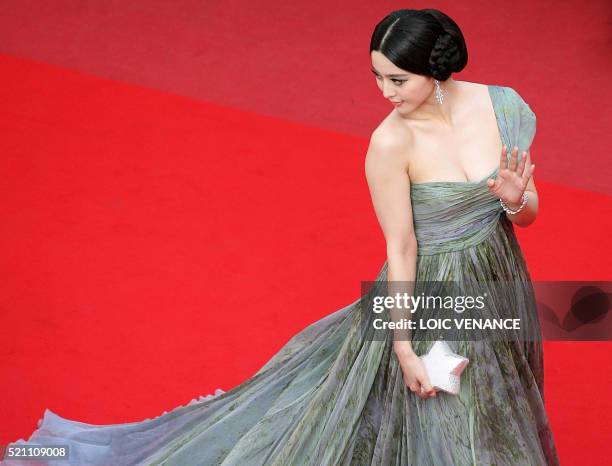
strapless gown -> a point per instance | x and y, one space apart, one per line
330 396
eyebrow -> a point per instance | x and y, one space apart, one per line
391 75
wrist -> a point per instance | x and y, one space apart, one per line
403 348
514 208
513 205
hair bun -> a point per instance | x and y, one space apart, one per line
424 42
444 57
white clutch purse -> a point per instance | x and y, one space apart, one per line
444 367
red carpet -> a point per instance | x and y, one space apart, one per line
162 237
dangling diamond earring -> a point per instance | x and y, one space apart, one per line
439 93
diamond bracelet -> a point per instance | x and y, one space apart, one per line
512 212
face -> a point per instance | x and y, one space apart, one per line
409 90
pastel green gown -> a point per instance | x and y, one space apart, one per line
331 396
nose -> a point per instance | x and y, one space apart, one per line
386 90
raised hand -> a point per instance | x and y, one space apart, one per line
512 178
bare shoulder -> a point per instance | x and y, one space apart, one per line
388 148
477 93
508 91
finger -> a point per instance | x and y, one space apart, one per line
416 389
527 165
513 159
420 392
426 387
493 184
520 170
503 163
528 174
428 394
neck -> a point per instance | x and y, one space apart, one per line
430 110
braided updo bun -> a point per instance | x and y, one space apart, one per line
425 42
444 58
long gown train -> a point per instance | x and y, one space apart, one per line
332 396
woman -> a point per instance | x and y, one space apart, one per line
333 395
